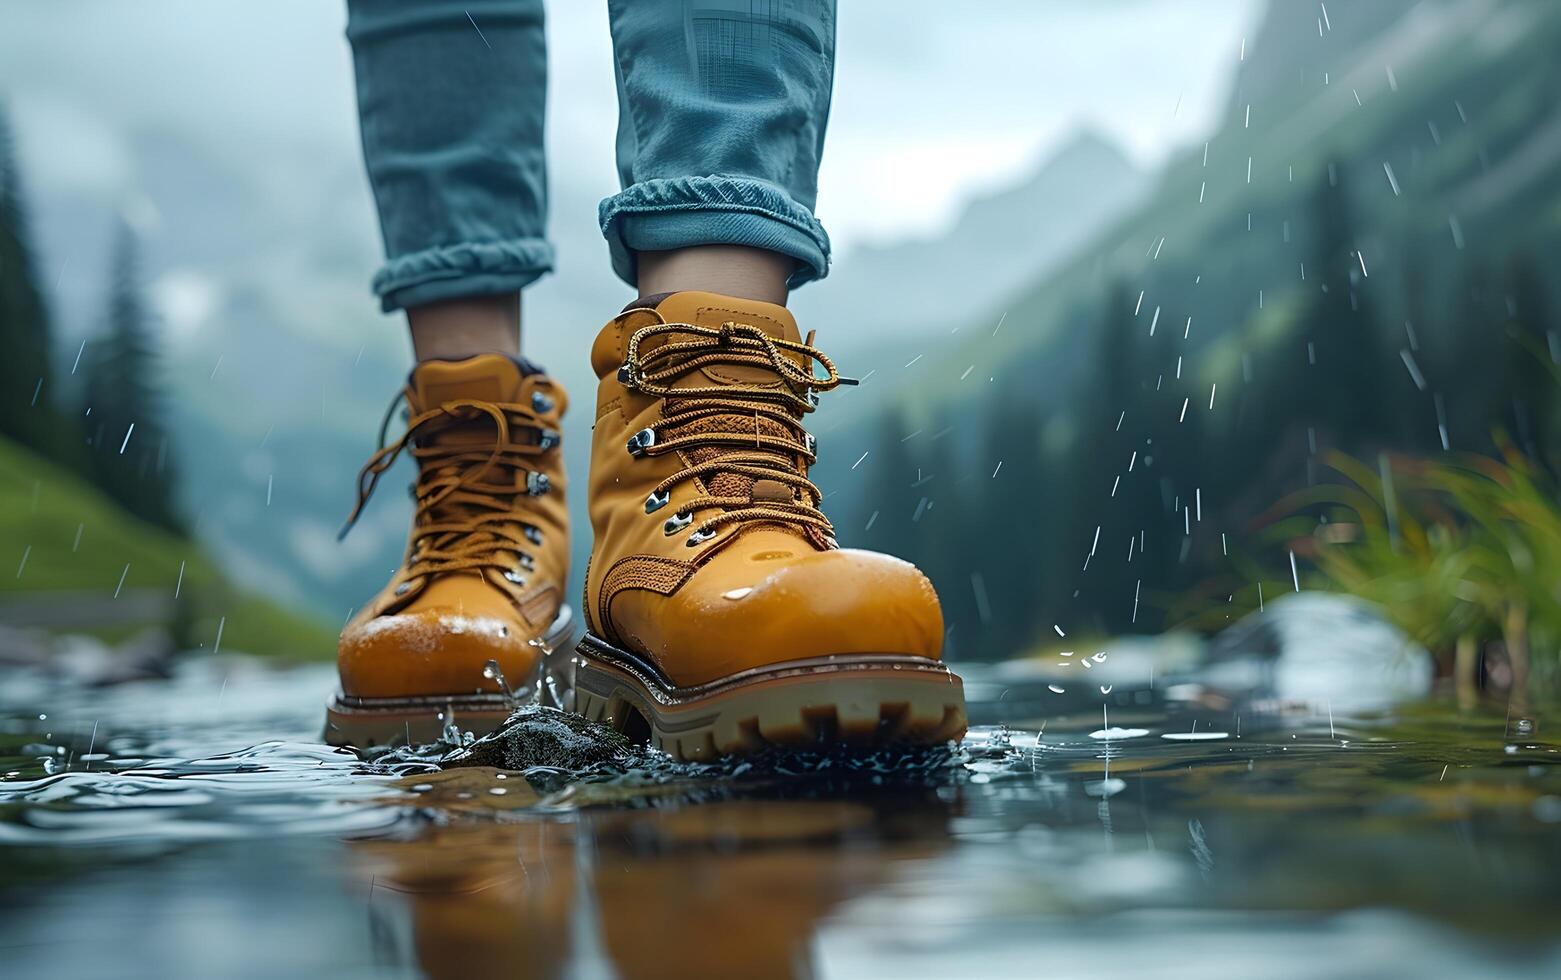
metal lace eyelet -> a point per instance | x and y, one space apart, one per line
540 402
813 398
676 523
625 374
533 533
527 562
548 439
656 501
403 588
641 441
812 443
513 575
700 537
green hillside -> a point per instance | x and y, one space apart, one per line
58 534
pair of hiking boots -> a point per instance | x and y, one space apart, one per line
720 614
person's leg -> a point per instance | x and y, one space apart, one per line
734 270
722 112
450 100
721 613
456 328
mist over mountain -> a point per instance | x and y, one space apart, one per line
279 370
259 239
1282 52
1000 241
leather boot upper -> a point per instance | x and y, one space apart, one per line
711 554
488 552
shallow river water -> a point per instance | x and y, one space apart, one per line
1241 812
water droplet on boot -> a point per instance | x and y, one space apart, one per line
491 671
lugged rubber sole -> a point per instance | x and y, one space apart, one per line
372 722
865 700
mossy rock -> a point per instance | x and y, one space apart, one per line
539 736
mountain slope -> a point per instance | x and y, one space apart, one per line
1434 137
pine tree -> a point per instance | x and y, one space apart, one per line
890 501
1014 547
1341 392
1528 381
25 393
1100 492
130 457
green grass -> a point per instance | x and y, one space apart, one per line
58 533
1463 554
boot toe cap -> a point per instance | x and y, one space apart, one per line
765 609
432 652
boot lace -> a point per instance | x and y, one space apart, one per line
465 493
749 432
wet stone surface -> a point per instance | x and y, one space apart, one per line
537 736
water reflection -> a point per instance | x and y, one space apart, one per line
740 886
1192 812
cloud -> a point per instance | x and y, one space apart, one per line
185 298
931 102
68 149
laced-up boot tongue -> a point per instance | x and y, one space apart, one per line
494 379
714 310
484 378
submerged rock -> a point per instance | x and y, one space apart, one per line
1319 648
538 736
88 661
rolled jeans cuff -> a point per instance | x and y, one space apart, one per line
467 269
721 209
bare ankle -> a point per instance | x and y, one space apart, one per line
733 270
453 329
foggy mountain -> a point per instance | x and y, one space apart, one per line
1414 146
278 368
908 291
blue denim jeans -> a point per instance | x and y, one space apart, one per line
722 108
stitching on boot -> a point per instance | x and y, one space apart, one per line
663 576
744 316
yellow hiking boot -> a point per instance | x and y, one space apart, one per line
721 614
465 622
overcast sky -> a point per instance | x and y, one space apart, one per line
934 100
